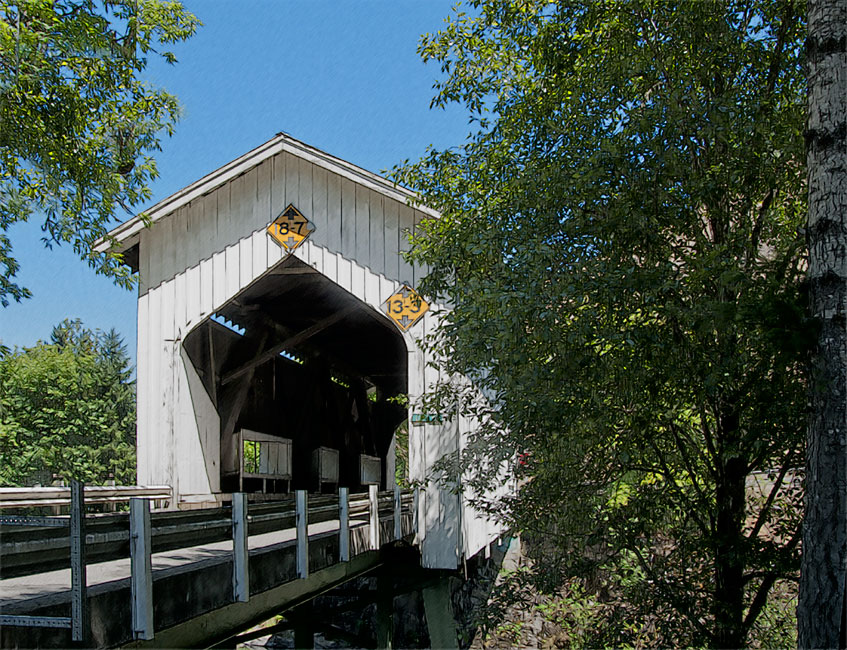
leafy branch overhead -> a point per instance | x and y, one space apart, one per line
621 244
77 121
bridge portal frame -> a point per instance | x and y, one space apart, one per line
208 242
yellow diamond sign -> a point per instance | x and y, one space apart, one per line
405 307
290 228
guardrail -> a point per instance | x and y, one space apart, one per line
141 533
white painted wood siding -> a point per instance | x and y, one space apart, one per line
199 257
196 259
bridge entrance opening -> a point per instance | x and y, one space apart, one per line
307 382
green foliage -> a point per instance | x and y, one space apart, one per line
599 611
401 456
68 408
777 625
620 247
77 123
250 453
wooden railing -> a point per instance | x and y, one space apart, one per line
29 497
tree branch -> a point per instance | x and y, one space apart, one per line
672 482
761 597
760 520
675 602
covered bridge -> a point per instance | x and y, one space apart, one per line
277 336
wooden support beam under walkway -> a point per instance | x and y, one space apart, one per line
214 626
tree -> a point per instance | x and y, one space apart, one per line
620 246
821 612
68 408
77 122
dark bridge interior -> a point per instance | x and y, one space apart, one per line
297 357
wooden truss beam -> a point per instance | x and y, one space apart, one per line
240 396
290 342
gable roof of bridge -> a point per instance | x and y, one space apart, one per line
127 234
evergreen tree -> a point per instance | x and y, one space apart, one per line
68 408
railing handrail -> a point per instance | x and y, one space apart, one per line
91 491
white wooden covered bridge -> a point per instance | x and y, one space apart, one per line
266 359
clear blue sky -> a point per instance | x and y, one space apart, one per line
342 76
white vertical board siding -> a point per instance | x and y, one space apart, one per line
391 218
376 224
357 280
406 223
243 210
348 219
448 527
333 212
361 226
262 217
417 458
228 237
142 401
318 216
142 391
167 234
330 265
419 270
154 467
150 335
292 182
193 246
345 273
330 235
198 425
220 210
164 396
179 236
153 240
372 289
206 233
277 203
477 530
304 187
441 513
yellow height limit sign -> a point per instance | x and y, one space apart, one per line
290 228
405 307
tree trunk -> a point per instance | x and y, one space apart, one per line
728 604
729 555
821 607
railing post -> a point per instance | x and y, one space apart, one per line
398 513
240 559
374 517
141 568
343 524
110 506
302 520
79 597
